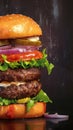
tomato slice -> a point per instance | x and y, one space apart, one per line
26 56
10 111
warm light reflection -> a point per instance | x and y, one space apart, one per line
25 124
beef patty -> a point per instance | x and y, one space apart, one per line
20 75
26 89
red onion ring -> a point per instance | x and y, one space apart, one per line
56 116
18 49
5 47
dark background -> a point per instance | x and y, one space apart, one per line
56 20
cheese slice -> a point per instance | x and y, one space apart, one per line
33 39
6 84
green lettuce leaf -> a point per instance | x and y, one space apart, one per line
41 97
29 104
4 101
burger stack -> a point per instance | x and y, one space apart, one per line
21 94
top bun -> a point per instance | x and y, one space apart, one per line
18 26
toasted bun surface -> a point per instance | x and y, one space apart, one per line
18 26
19 111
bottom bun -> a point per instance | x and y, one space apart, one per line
19 111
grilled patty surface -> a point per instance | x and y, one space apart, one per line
14 75
25 89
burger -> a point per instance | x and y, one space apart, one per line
21 60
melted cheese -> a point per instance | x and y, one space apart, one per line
34 39
6 84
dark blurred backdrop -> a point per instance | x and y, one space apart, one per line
56 20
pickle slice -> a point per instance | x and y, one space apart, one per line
27 42
4 42
23 100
